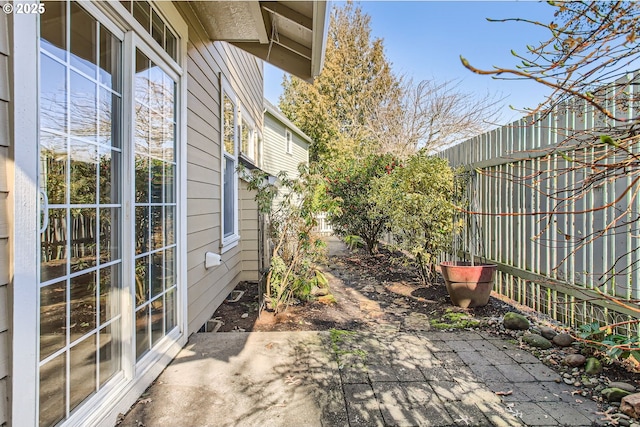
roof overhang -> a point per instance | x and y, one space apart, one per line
290 35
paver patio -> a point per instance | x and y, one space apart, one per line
379 378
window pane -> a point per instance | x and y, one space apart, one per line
109 234
83 109
169 268
157 227
157 167
82 370
143 64
141 11
142 229
53 167
109 173
109 298
83 41
229 125
142 280
52 391
229 203
169 183
83 239
142 331
171 44
83 305
53 246
110 59
170 225
168 144
142 179
109 351
84 173
157 29
244 138
53 28
53 95
170 306
157 320
53 318
157 274
142 129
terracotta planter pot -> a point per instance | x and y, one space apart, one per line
468 285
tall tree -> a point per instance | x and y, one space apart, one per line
356 82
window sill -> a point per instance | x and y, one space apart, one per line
229 243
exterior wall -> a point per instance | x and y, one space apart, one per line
5 341
275 157
249 233
207 288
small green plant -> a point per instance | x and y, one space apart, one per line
295 249
614 346
339 337
353 242
454 320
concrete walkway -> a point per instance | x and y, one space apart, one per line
380 378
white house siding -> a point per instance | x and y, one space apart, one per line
276 158
207 288
4 219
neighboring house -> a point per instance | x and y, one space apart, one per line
285 146
121 126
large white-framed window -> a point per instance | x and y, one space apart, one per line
229 165
288 141
105 95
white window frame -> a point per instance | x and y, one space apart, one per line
119 396
288 141
230 241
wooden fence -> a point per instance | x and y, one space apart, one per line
549 262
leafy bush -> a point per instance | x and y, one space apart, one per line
418 198
350 187
295 249
614 345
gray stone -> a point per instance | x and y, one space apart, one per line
515 321
624 386
537 341
574 360
624 423
548 332
613 394
593 366
563 340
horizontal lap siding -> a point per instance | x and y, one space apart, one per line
276 158
5 342
249 233
207 288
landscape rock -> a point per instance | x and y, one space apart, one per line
593 366
563 340
630 405
515 321
613 394
537 341
624 386
548 332
574 360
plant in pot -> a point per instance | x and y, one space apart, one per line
469 281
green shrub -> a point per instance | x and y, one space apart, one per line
350 187
418 198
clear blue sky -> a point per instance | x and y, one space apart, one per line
424 40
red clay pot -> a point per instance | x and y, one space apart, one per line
468 285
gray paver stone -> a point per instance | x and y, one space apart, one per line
515 372
362 406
